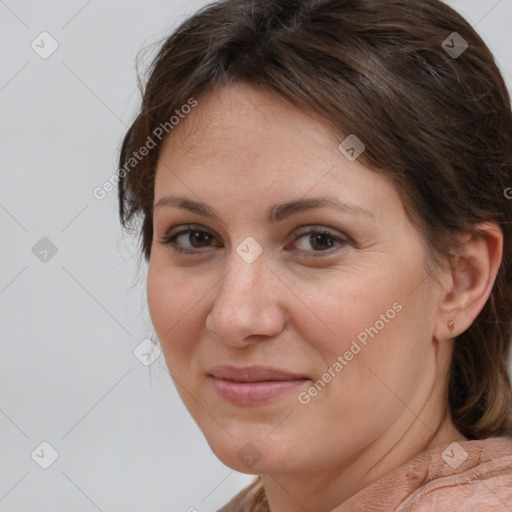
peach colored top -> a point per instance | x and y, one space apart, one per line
469 476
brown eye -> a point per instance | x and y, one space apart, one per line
319 241
188 240
199 238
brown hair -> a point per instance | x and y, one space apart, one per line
439 124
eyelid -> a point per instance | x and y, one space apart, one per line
312 228
183 228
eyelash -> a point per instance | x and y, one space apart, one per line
169 240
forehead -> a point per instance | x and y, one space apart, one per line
253 143
242 120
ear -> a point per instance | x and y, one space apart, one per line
470 280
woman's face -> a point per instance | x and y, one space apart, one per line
334 295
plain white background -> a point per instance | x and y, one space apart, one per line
72 308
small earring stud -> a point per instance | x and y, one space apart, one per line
451 325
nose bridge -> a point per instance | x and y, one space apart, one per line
243 280
245 302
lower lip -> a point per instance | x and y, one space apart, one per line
253 393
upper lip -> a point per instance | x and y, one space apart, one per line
252 373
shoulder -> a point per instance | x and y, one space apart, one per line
250 499
477 477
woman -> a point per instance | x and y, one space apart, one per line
370 372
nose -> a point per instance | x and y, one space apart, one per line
247 304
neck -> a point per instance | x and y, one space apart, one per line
323 491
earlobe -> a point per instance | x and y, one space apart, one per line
472 277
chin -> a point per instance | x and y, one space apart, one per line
254 467
253 454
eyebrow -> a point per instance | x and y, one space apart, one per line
275 214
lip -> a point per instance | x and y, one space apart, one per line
253 385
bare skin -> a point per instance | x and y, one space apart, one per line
304 300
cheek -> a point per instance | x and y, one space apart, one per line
160 294
370 320
351 313
172 304
385 343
